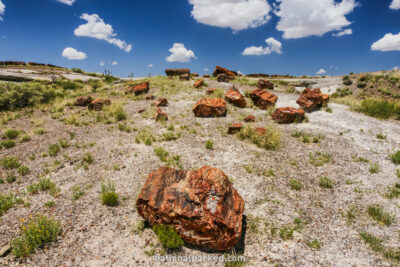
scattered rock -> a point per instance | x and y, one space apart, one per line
177 72
210 107
161 102
98 104
311 99
234 97
263 99
198 84
220 70
83 101
222 78
161 115
288 115
139 88
250 118
5 250
265 84
149 97
195 74
202 205
184 77
211 91
206 76
235 128
141 110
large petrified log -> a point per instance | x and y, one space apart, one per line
98 104
234 97
201 205
138 89
210 107
176 72
288 115
311 99
229 73
262 98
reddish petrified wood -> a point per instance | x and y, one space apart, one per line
198 84
250 118
210 107
184 77
211 91
83 101
141 88
311 99
235 128
222 78
265 84
229 73
195 74
98 104
206 76
201 205
161 115
161 102
177 72
288 115
262 98
260 130
234 97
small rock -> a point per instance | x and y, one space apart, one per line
139 88
210 107
234 97
263 99
83 101
5 250
98 104
250 118
235 128
149 97
141 110
198 84
176 72
161 102
161 115
195 74
211 91
265 84
184 77
222 78
311 99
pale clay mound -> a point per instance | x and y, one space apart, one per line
96 235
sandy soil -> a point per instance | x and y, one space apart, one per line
95 235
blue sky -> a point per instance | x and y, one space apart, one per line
204 33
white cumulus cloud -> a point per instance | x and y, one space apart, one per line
150 65
272 46
235 14
304 18
2 9
73 54
321 71
180 54
96 28
114 63
205 69
395 5
101 63
67 2
389 42
343 33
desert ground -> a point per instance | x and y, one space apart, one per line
292 218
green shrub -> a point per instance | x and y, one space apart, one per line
11 178
7 202
35 234
120 114
11 134
325 182
361 85
54 149
8 144
10 163
23 170
108 196
167 236
87 158
286 233
319 159
295 184
14 96
77 70
395 157
381 109
63 143
170 136
25 138
377 213
271 140
69 85
315 244
44 184
161 153
145 136
209 144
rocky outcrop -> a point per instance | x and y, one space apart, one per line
83 101
161 115
184 77
211 91
98 104
235 128
222 78
201 205
265 84
288 115
161 102
229 73
263 99
311 99
139 89
234 97
176 72
210 107
198 84
250 118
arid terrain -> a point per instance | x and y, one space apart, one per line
328 195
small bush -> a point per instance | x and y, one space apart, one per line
23 170
374 168
377 213
381 109
44 184
10 163
395 157
11 134
145 136
11 178
7 202
319 159
286 233
168 237
120 114
295 185
35 234
63 143
170 136
25 138
161 153
325 182
87 158
209 144
108 195
315 244
54 149
271 140
8 144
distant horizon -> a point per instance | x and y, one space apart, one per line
257 36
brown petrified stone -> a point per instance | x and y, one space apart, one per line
176 72
195 74
211 91
161 115
265 84
184 77
198 84
201 205
262 98
250 118
210 107
235 128
220 70
83 101
311 99
234 97
98 104
288 115
141 88
222 78
161 102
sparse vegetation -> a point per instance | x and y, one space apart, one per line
319 159
209 144
10 163
325 182
271 140
7 202
53 150
167 236
377 213
395 157
295 185
108 195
